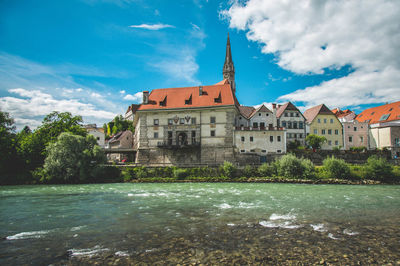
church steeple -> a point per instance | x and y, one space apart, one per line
228 70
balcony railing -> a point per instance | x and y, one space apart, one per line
169 145
259 128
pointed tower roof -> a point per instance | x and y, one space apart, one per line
228 71
228 55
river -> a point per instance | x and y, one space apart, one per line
199 223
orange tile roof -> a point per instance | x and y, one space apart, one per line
286 106
341 113
222 82
312 112
246 111
189 97
376 114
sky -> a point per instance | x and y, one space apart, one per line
94 57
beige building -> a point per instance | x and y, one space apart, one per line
122 142
323 122
384 127
97 133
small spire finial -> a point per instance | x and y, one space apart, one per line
228 70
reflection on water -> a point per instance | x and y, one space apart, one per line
199 223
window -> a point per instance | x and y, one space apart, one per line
252 150
336 142
291 114
315 131
397 141
263 151
323 131
251 139
259 114
384 117
279 138
301 125
350 139
98 138
170 121
262 125
283 123
331 121
294 124
390 109
372 113
324 120
193 120
355 128
319 120
329 142
271 138
242 138
212 133
286 114
297 115
193 136
156 135
289 124
329 131
212 119
266 114
300 136
242 151
240 118
182 121
336 131
348 126
255 124
278 151
361 139
155 122
169 137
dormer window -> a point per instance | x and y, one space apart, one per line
164 101
218 99
189 101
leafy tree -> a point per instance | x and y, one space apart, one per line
292 167
336 168
8 154
73 159
315 141
378 168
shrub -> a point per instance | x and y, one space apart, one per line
180 174
378 168
308 168
141 172
249 171
315 141
266 170
290 166
358 149
336 168
357 171
228 169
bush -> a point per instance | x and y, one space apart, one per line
249 171
290 166
378 168
228 169
141 172
180 174
358 149
357 171
336 168
266 170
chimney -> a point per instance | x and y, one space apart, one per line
275 122
200 90
146 97
273 106
279 106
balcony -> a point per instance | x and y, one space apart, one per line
260 128
171 146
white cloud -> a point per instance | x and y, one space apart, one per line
137 97
308 37
152 26
122 91
31 105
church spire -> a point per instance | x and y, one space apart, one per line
228 70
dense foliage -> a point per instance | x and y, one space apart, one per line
118 124
336 168
378 168
73 159
315 141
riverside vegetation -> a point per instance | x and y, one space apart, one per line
60 152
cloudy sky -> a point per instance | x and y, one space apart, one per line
94 57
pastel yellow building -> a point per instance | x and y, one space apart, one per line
322 122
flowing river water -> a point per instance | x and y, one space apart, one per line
199 223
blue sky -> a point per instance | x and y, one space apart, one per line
94 57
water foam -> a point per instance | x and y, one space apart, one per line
88 252
349 232
318 227
27 235
122 253
332 237
224 206
77 228
274 217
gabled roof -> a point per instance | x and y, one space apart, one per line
222 82
246 111
312 112
119 136
286 106
189 97
380 114
133 108
341 113
261 108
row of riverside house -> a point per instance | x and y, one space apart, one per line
206 125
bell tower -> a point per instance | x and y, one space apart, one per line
228 70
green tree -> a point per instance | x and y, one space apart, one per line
73 159
336 168
315 141
8 155
378 168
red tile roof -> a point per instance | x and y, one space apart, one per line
189 97
133 108
312 112
378 114
246 111
341 113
